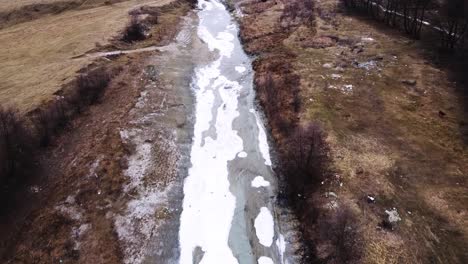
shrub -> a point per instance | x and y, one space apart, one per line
88 90
15 146
340 228
306 158
135 31
90 86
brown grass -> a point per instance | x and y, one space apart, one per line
387 138
37 56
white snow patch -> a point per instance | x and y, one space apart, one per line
281 245
136 225
208 206
259 181
77 233
346 89
264 227
265 260
367 39
222 42
69 208
240 69
262 141
242 154
206 5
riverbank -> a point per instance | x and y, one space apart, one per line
394 124
74 209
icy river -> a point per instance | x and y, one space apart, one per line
228 211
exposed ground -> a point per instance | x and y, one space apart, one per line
396 125
66 213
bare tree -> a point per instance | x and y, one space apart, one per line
453 22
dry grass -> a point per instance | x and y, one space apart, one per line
37 56
11 5
403 144
388 139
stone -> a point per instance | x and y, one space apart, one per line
411 82
359 170
392 219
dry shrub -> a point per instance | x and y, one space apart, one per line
54 116
340 230
193 3
305 158
135 30
50 119
15 146
278 91
152 14
256 7
297 12
90 86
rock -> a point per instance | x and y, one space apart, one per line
378 57
392 219
335 76
331 194
328 65
368 65
319 42
339 69
442 113
367 39
370 198
359 170
411 82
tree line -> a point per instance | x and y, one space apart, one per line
449 18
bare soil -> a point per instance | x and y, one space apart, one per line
65 213
396 126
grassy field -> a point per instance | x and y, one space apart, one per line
9 5
37 57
